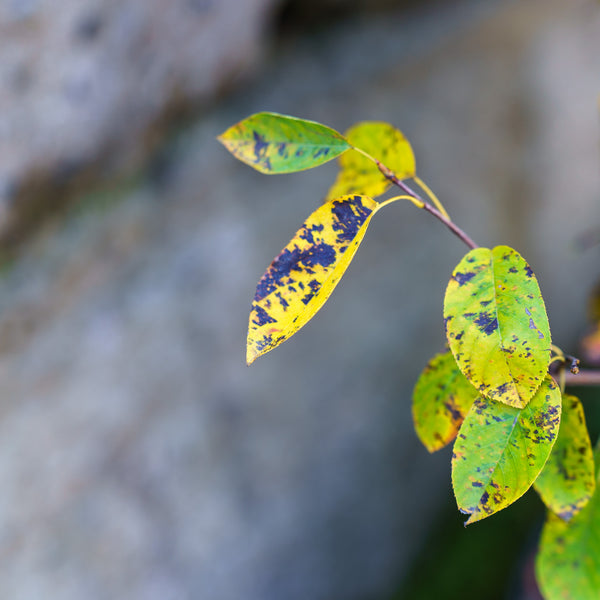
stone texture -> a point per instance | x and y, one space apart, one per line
86 84
140 458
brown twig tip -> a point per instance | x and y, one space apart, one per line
583 377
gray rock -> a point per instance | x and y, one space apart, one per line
86 84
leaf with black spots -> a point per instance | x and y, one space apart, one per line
568 479
500 450
274 143
303 275
441 399
568 561
496 324
358 174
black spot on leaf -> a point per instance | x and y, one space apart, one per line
260 146
487 323
307 233
295 260
321 152
349 217
262 317
462 278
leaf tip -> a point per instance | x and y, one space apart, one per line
251 355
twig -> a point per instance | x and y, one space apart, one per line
391 176
584 377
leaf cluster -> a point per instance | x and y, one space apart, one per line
491 392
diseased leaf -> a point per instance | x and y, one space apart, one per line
500 450
568 479
568 562
358 174
274 143
441 399
301 278
496 324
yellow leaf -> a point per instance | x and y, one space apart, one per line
358 174
303 275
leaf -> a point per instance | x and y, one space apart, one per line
496 324
568 480
568 562
358 174
500 450
302 277
441 399
273 143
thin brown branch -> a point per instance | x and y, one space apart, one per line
451 226
584 377
391 176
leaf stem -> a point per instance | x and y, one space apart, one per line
432 196
442 216
415 201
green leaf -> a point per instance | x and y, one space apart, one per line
496 324
273 143
500 450
568 561
303 275
358 174
568 480
441 399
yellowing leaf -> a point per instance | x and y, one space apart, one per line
358 174
500 450
441 399
302 277
496 324
273 143
568 479
568 561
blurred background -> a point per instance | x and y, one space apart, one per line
139 457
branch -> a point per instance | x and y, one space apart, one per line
451 226
584 377
391 176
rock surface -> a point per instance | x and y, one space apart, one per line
87 83
141 459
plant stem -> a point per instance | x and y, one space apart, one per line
455 229
432 196
584 377
389 174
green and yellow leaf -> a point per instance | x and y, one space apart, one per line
302 277
568 479
500 450
568 561
496 324
274 143
358 174
441 399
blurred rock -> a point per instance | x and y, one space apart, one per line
140 458
88 84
